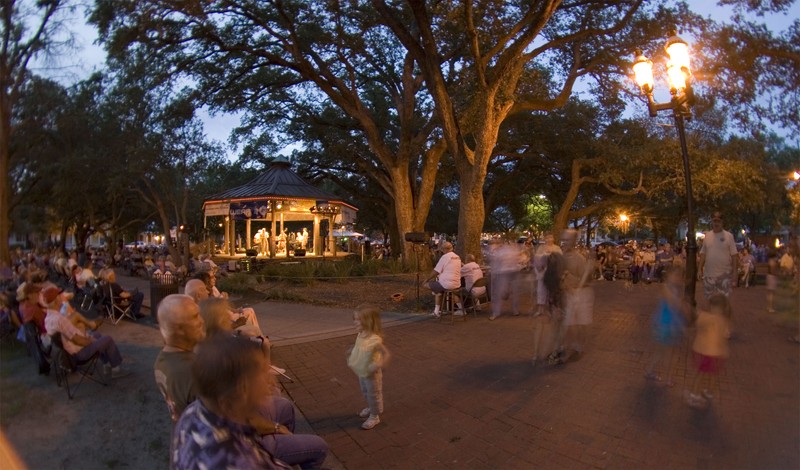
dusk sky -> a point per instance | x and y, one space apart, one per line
89 57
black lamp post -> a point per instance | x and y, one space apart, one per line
679 74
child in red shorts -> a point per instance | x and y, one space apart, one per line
710 348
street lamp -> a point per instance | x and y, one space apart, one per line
679 74
624 220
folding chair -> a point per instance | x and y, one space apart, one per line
116 307
472 305
86 295
65 365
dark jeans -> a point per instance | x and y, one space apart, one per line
109 354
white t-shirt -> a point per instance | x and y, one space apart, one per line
471 272
57 323
718 249
449 269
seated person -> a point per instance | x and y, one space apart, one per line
471 272
216 316
267 431
30 308
81 344
135 297
239 317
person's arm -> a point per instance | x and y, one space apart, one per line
433 276
701 263
264 426
380 358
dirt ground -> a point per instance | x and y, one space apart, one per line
125 424
396 293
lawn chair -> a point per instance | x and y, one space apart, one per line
116 308
65 365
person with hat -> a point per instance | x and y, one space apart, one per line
30 309
81 344
446 275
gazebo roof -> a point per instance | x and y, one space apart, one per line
278 181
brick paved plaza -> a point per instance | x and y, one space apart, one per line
466 396
457 396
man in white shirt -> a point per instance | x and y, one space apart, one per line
718 259
446 276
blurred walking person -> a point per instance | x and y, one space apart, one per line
710 349
578 297
668 323
506 261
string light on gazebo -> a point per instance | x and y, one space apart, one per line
325 210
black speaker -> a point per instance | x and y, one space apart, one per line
416 237
251 252
300 252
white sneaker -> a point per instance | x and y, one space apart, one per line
118 373
459 313
436 314
371 422
364 413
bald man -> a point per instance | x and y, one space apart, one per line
446 275
182 328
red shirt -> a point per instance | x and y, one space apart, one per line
32 311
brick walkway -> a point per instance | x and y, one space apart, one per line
466 396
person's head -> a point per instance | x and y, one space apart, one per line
51 297
548 239
216 316
205 276
673 275
446 247
31 292
180 322
716 221
111 276
470 258
368 318
196 289
569 238
232 376
719 304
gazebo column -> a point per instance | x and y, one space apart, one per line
227 238
272 235
247 236
232 249
317 242
331 239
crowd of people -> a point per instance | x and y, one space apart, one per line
561 278
218 381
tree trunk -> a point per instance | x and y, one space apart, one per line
471 215
5 178
410 215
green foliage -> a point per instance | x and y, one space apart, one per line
238 283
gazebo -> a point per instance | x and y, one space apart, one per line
278 196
